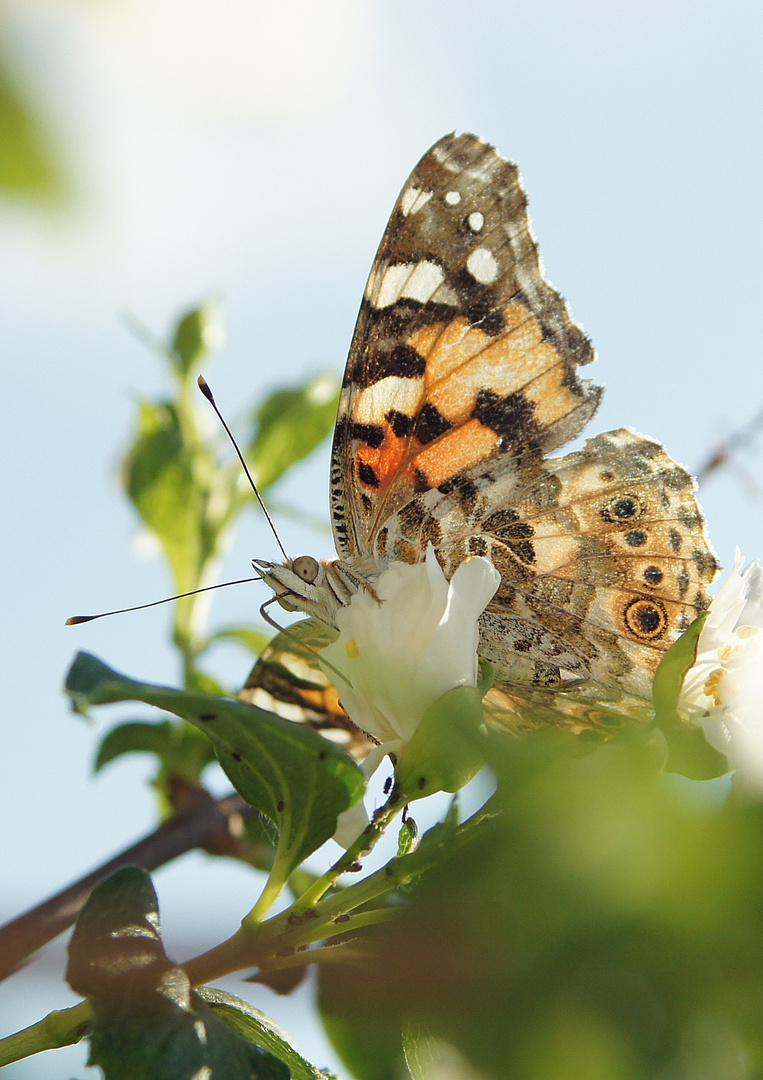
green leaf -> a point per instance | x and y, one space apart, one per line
253 640
160 481
428 1058
408 837
289 425
691 755
365 1031
254 1025
135 737
671 672
299 780
117 932
147 1022
27 164
181 750
196 334
446 750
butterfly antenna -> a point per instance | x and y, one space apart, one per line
204 387
76 619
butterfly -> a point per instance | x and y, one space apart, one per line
462 380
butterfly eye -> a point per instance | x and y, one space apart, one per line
306 567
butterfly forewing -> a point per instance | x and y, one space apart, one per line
463 354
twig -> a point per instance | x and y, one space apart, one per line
204 822
738 440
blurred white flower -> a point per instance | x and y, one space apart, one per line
723 690
402 649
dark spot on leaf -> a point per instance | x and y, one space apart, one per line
281 806
207 716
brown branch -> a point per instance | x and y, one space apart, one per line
200 821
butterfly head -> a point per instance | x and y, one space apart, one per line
301 584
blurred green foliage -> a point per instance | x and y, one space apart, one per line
28 166
188 490
607 923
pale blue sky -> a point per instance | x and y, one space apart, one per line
254 151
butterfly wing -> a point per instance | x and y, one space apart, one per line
463 355
288 681
604 562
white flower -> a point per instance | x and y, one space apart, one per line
402 649
723 690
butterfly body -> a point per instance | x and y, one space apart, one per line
462 379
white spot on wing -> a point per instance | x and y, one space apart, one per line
483 266
447 295
475 221
453 198
394 392
413 199
410 281
424 281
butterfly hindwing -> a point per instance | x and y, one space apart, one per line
288 681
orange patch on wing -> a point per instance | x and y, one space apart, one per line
457 450
461 360
386 460
552 399
446 347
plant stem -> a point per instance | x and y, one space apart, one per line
59 1028
265 943
364 843
274 886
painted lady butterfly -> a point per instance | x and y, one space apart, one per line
461 379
